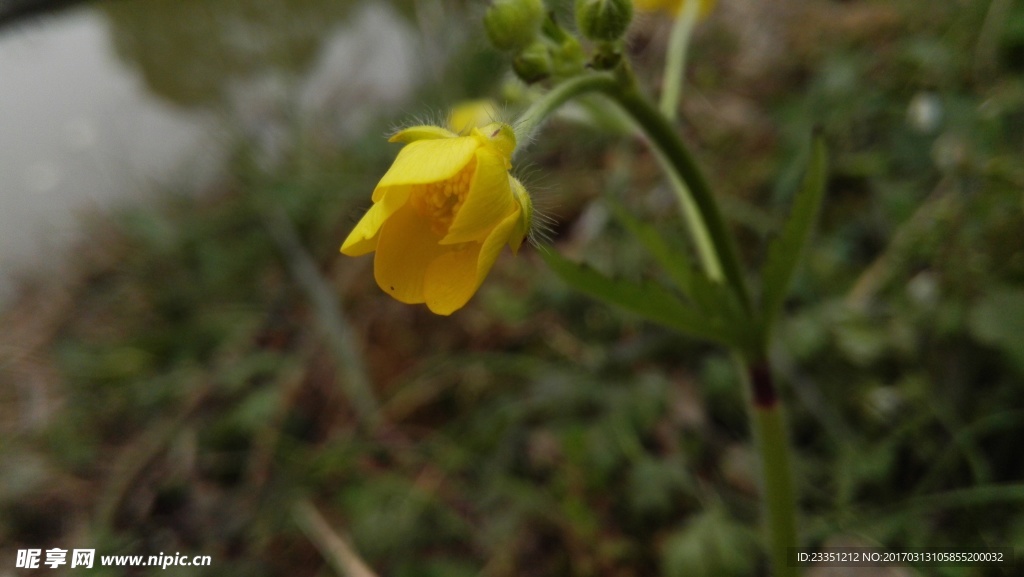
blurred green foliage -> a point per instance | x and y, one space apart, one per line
191 399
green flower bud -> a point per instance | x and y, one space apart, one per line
513 24
603 20
568 58
533 64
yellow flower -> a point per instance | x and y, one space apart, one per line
441 215
673 6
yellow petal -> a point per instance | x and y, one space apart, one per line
451 279
489 200
655 4
426 161
673 6
454 276
363 238
471 114
406 248
423 132
498 238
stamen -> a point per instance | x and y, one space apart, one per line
439 202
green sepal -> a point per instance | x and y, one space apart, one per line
603 20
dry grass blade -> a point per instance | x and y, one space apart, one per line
335 549
340 335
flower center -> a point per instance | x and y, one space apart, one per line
440 201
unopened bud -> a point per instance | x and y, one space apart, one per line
533 64
603 20
513 24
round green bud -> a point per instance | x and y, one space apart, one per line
533 64
568 58
603 20
513 24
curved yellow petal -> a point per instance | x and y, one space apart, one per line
363 238
358 244
423 132
426 161
489 200
454 277
451 280
406 247
471 114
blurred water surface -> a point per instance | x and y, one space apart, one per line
114 101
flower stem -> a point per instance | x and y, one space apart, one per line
668 144
675 58
695 224
671 91
531 120
716 250
776 469
714 243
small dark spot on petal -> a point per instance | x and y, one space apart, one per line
495 133
392 288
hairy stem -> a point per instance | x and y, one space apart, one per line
668 144
531 120
714 243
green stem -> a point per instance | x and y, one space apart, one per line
675 59
671 92
701 209
699 205
668 144
534 116
776 469
695 224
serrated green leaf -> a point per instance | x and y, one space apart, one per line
673 261
717 299
785 252
647 300
714 300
